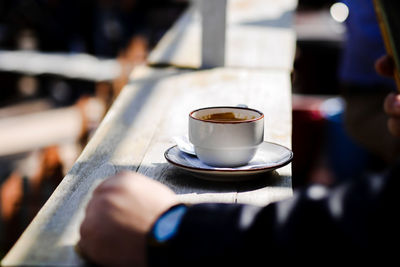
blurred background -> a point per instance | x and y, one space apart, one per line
339 126
62 62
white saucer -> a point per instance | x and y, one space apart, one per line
269 157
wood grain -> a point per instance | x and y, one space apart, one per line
154 106
135 134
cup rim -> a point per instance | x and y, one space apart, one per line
228 122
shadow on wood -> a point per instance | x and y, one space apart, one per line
185 182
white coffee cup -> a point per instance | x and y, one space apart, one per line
226 136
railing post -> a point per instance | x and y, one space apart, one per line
213 16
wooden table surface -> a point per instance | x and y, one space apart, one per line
151 109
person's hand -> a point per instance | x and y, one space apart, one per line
118 217
392 108
385 67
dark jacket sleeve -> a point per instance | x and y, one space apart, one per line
355 221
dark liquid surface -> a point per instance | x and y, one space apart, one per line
226 116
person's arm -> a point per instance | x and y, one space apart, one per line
346 221
353 221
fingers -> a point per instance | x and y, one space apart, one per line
385 66
392 105
82 248
94 234
96 216
392 108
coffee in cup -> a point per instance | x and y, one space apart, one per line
226 136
